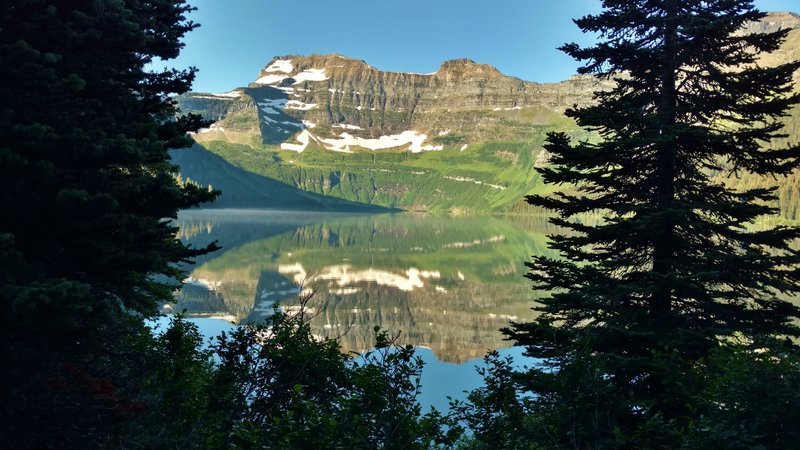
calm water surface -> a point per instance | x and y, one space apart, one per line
447 284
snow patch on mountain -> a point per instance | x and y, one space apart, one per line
211 285
410 137
295 269
345 291
271 79
296 104
472 180
273 105
280 65
303 138
270 120
223 96
306 75
213 128
345 275
310 75
346 126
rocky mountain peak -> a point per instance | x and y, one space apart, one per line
295 69
774 21
467 68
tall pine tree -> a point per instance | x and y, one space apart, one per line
87 246
675 266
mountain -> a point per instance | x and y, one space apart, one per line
465 138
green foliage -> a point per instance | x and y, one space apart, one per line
743 396
179 377
277 385
449 139
641 298
384 408
753 398
271 379
496 415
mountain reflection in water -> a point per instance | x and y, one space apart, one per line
447 283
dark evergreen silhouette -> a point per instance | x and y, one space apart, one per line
675 268
87 247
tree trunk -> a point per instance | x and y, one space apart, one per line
663 248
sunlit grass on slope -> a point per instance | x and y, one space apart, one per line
483 177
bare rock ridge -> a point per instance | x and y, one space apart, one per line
457 85
335 93
464 67
773 22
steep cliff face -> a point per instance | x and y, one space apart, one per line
463 138
773 22
334 90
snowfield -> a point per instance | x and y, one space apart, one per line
296 104
280 65
345 140
306 75
346 126
303 138
310 75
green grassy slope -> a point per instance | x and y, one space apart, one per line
483 177
244 189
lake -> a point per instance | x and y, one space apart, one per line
446 284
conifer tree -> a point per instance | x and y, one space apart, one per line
675 266
87 247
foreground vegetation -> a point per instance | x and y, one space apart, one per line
276 385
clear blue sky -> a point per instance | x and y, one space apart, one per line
238 37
